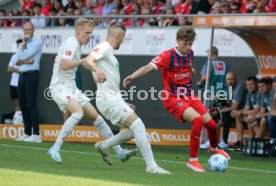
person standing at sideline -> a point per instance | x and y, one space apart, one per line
29 54
218 71
69 98
13 69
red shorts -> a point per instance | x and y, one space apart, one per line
177 106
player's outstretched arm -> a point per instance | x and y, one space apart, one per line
138 73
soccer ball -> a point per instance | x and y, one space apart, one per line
217 163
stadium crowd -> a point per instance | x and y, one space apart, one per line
129 7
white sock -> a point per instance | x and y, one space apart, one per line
66 129
119 138
142 142
106 132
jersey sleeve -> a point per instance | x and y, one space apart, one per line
161 62
99 52
68 50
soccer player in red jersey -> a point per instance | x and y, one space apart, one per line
178 99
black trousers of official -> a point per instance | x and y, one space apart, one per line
227 122
27 94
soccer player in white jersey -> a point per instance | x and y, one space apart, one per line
69 98
110 103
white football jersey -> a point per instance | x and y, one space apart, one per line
108 63
70 49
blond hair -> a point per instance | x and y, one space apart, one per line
84 22
114 28
186 33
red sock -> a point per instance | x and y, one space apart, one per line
212 133
197 125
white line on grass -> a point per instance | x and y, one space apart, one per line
161 160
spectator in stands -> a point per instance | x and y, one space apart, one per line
77 12
58 6
108 6
156 6
203 7
259 121
80 5
235 8
70 4
252 106
272 119
236 102
127 5
135 21
118 4
147 22
52 21
183 7
3 22
13 68
183 21
46 7
169 21
30 48
25 13
31 10
62 21
70 12
124 20
27 3
14 22
225 8
216 7
39 20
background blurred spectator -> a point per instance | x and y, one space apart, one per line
39 20
46 6
27 3
169 21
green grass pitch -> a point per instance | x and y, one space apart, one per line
27 164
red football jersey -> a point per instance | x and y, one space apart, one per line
176 71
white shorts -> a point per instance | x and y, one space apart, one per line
63 94
114 109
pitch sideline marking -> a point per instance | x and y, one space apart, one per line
160 160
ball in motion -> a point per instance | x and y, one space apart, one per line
217 163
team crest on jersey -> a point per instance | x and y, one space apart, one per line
219 68
68 52
96 49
